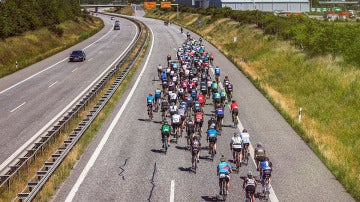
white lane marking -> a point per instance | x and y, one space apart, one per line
34 75
272 194
74 69
16 108
172 191
42 130
106 136
90 59
52 84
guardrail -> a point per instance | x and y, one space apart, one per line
40 178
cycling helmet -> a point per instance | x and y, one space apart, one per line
233 101
222 159
250 175
226 77
244 131
212 118
165 122
258 145
150 94
236 134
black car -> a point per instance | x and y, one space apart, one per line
77 55
117 26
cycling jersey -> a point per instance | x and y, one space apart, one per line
250 185
157 93
260 152
201 98
265 165
150 99
219 112
224 168
234 106
226 82
193 93
236 142
211 133
181 111
199 116
173 109
245 138
163 76
216 95
230 87
175 118
159 67
217 71
222 94
173 96
214 85
165 128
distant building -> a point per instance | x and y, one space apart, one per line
263 5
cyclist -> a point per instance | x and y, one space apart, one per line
164 106
163 76
234 108
199 117
224 168
202 100
245 137
230 89
235 146
216 98
211 137
172 96
181 30
197 107
249 185
214 87
219 112
157 97
165 130
217 73
223 97
181 112
168 57
226 83
190 130
159 69
259 154
195 150
266 169
175 123
150 102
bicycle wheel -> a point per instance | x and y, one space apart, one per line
165 144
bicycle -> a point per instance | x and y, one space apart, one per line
248 196
150 111
237 161
212 150
194 159
246 154
266 188
234 119
223 191
165 144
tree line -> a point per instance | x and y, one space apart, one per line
19 16
314 37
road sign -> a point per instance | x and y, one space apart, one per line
165 4
150 5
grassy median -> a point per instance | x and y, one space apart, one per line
327 90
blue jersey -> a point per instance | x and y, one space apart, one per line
193 92
150 99
265 165
219 111
212 133
163 76
222 94
157 93
224 168
216 95
217 71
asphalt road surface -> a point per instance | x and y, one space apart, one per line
32 97
125 162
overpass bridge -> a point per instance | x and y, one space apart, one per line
97 6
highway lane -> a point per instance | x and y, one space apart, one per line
31 98
129 165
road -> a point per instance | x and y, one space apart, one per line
125 162
32 97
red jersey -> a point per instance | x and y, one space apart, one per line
234 106
201 98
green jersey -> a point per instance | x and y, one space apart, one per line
165 128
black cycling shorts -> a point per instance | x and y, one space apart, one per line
237 149
213 139
250 189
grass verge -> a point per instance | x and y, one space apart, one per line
328 90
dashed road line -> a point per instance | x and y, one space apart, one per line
16 108
172 191
52 84
74 69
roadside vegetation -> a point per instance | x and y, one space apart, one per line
124 11
296 62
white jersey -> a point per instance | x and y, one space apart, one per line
159 67
173 108
236 142
245 138
181 111
168 70
173 96
175 118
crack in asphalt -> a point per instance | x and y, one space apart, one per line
152 182
122 169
